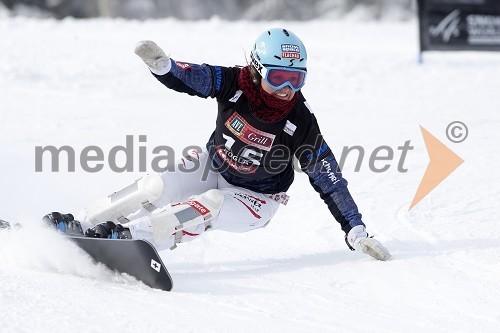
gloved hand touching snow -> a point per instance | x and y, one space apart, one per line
157 61
359 240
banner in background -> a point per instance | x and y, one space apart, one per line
459 25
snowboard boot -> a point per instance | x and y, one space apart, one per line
65 223
109 230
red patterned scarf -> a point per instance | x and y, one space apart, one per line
264 106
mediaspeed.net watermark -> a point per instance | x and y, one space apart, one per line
135 155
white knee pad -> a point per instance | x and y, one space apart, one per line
201 209
118 205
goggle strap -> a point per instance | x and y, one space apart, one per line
258 66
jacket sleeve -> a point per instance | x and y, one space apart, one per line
318 162
201 80
326 178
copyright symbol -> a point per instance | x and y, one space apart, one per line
457 132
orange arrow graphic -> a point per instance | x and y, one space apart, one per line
443 161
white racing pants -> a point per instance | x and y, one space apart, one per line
242 210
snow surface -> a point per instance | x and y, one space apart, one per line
78 83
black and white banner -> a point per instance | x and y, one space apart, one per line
459 25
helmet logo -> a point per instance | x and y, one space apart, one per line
290 51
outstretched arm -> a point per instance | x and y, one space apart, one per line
319 163
326 178
193 79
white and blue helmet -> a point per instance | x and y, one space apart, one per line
279 48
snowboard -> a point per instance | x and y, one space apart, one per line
135 257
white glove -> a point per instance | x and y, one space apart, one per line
157 61
359 240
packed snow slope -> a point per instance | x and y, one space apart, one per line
79 84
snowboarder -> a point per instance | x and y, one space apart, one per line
238 182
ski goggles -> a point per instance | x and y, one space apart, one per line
280 77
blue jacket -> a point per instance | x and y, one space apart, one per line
259 155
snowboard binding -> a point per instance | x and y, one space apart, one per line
65 223
108 230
